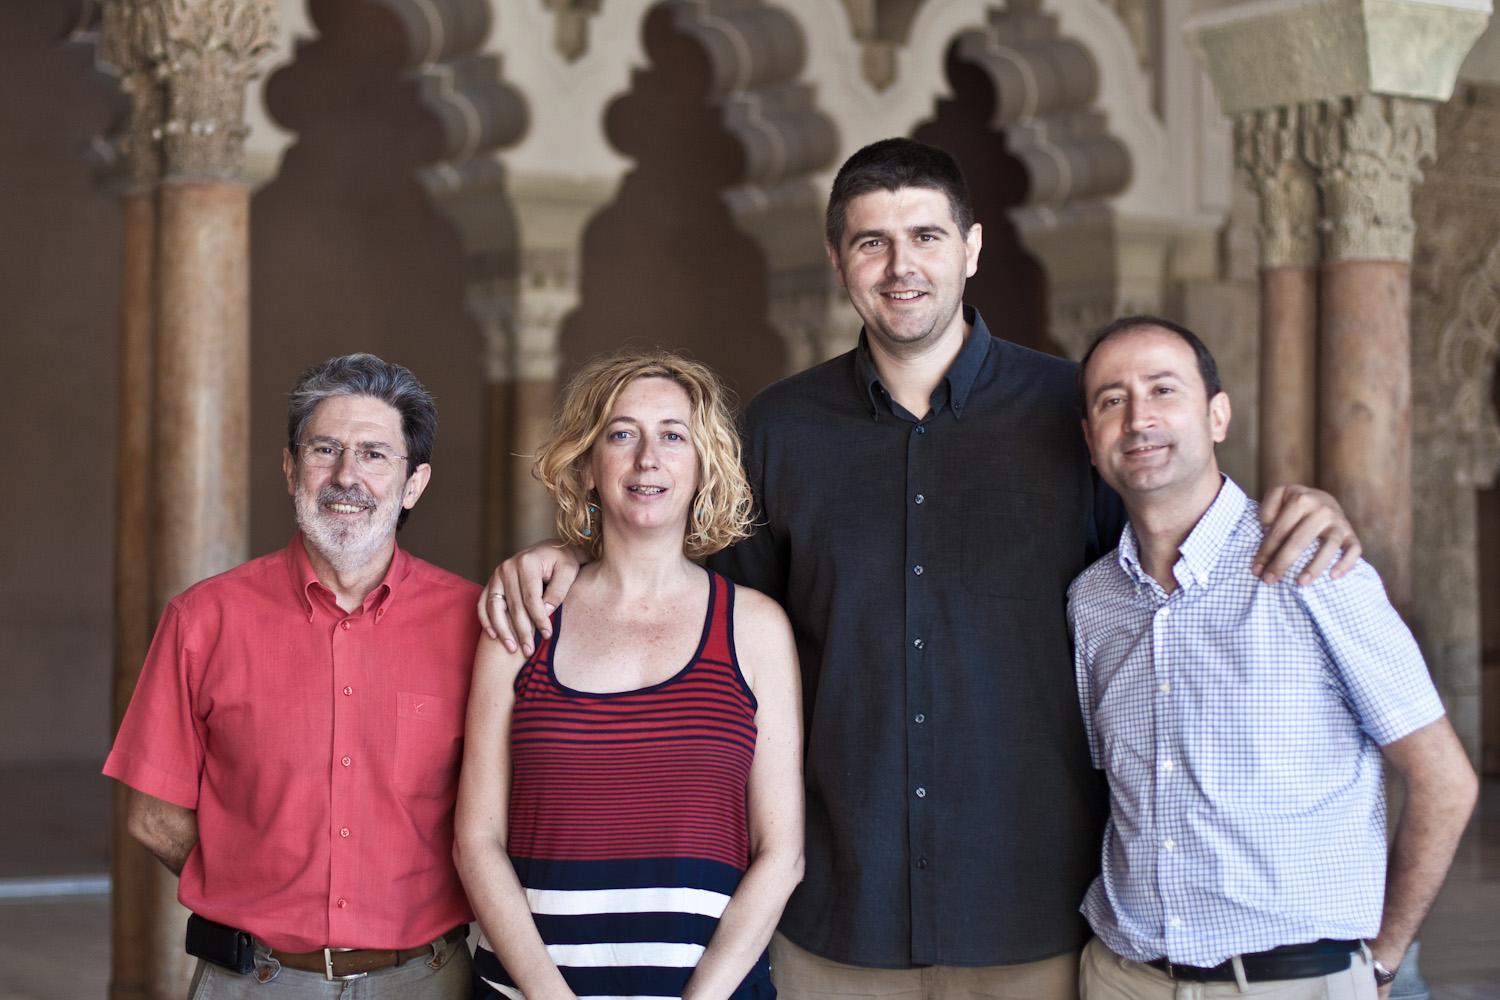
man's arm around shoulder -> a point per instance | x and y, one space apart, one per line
167 830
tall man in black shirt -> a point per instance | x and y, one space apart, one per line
925 501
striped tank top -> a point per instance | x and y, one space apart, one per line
628 826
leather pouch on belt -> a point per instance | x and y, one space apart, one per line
220 944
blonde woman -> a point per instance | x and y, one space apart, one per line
630 811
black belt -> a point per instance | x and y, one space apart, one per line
1293 961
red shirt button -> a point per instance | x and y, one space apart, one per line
342 903
348 689
345 625
346 761
343 831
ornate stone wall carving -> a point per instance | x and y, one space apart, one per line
1267 148
1045 88
1368 150
1455 430
757 53
186 64
478 114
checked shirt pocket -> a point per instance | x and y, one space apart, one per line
429 737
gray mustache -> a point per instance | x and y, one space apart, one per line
332 494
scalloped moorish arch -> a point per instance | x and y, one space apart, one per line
1074 103
392 185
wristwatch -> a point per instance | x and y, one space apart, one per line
1383 976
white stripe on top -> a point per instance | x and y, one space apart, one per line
652 899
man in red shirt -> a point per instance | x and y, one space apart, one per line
293 743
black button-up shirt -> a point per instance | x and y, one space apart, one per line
953 817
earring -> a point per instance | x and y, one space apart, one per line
592 511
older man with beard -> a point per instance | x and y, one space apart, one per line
293 744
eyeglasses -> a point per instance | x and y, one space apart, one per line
327 454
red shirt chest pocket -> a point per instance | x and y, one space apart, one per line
429 739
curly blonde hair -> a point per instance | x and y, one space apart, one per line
721 512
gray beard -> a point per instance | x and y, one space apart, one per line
346 547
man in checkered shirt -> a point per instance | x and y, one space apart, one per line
1242 725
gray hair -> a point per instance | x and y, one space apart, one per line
367 375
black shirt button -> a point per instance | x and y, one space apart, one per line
919 718
921 793
921 429
919 498
921 862
917 570
919 643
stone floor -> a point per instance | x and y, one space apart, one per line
56 826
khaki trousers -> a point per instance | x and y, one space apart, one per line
1106 976
801 975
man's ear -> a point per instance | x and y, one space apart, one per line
835 261
973 243
289 470
1218 416
415 484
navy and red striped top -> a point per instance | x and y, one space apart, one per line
628 825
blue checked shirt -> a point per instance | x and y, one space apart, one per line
1240 727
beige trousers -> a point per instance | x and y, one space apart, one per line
1106 976
801 975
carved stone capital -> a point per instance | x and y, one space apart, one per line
199 54
551 215
1264 54
123 48
1368 151
1267 149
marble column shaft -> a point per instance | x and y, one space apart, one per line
1364 440
1288 411
1367 150
1267 149
143 892
182 498
201 524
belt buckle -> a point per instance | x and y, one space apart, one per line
1171 973
328 954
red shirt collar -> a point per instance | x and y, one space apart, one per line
305 578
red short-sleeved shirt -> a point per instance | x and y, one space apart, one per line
320 749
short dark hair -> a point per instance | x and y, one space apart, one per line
892 164
367 375
1208 368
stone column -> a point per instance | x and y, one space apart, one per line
1363 79
205 55
1367 150
522 322
1267 150
143 892
185 375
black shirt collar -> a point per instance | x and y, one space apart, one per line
956 384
